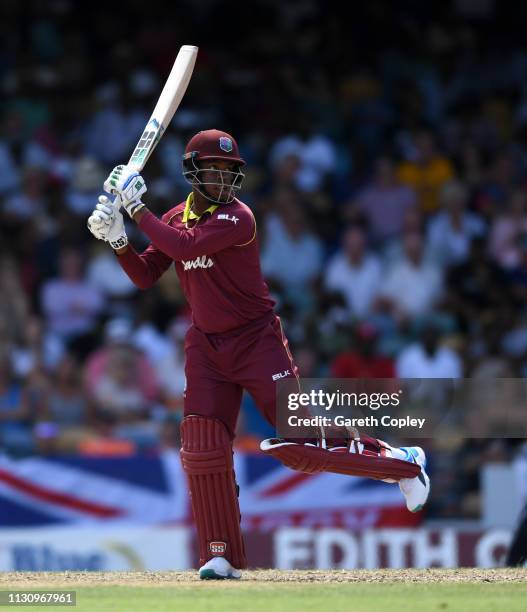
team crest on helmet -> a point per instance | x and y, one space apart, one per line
225 144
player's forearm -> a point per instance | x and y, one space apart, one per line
140 214
142 273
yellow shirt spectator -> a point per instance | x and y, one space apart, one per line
427 174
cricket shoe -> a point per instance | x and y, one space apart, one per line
218 568
415 490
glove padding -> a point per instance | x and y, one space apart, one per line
128 185
106 223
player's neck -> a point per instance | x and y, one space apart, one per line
200 204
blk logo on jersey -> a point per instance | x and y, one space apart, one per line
229 218
281 375
199 262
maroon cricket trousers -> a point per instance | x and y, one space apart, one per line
219 366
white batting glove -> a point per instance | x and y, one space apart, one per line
106 223
128 185
97 225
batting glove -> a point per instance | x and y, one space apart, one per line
106 223
128 185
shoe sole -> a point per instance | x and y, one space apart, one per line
422 478
210 574
426 479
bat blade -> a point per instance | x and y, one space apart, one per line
166 106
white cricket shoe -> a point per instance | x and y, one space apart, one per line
218 568
415 490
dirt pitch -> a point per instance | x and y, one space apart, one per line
35 580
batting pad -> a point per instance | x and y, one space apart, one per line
206 456
312 459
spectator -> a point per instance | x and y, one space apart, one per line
106 274
66 403
87 178
426 171
63 420
107 135
36 348
29 202
364 361
507 232
413 286
428 358
385 202
355 273
15 423
452 230
316 155
14 305
291 254
118 393
118 340
71 304
170 369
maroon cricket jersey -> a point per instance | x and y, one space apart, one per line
217 261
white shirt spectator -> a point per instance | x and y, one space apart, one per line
24 359
170 369
317 155
171 374
413 287
415 362
292 260
154 344
358 283
450 245
69 302
105 273
70 307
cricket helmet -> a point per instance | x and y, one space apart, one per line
210 145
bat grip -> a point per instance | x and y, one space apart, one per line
117 201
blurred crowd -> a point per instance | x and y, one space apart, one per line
386 168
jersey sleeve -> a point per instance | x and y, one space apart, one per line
146 268
222 231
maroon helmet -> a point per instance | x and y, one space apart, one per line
210 145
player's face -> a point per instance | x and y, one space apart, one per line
218 175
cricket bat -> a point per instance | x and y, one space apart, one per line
166 106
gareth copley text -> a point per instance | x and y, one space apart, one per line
341 421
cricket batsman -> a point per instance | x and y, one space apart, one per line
235 342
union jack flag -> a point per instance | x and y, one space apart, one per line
153 490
